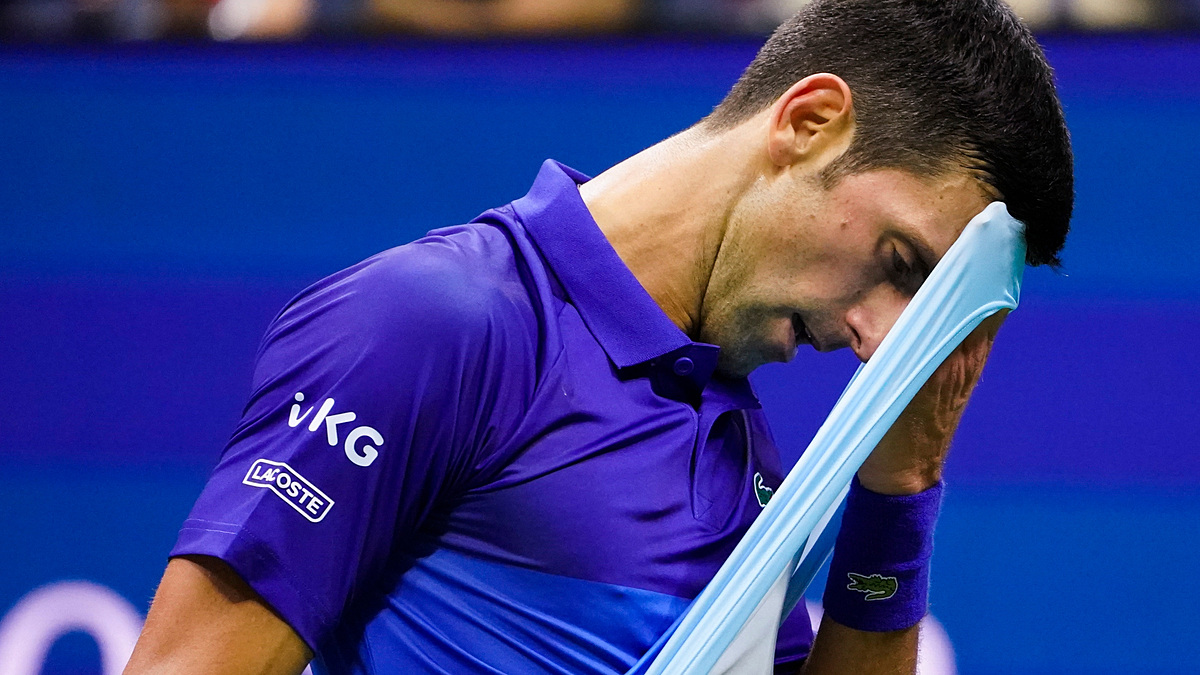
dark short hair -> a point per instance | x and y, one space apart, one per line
936 84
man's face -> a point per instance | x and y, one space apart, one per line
801 264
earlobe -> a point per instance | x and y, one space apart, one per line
812 118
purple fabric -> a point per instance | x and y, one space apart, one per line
879 575
408 344
517 398
631 331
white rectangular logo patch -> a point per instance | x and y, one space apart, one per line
291 487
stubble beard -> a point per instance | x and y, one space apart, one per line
739 335
733 327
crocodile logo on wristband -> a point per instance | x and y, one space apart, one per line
876 586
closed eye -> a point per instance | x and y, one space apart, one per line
900 266
904 275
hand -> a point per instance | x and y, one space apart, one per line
910 457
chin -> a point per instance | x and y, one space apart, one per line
731 364
736 363
741 353
735 371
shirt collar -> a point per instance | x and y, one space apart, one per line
629 325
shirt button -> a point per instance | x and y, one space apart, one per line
683 366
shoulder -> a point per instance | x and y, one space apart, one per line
459 282
431 326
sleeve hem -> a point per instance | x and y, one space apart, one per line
254 562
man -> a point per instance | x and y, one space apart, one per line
523 444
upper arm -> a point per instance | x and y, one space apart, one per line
375 395
205 619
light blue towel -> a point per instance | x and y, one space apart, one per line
978 276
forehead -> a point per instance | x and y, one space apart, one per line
932 210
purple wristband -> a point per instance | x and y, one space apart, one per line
879 576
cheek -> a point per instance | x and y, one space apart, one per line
838 273
821 257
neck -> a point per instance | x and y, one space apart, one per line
665 212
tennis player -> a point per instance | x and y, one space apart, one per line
523 444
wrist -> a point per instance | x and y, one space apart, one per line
899 482
879 575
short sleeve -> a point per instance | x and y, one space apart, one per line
375 393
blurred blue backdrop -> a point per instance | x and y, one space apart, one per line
159 204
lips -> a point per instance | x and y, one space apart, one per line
803 336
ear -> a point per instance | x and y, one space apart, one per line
812 119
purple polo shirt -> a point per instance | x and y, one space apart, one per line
487 451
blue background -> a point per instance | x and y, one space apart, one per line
159 204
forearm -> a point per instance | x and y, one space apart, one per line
840 650
890 530
877 591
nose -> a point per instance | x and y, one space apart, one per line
872 317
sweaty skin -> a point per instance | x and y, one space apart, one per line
740 243
755 238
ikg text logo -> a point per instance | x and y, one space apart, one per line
362 455
291 488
